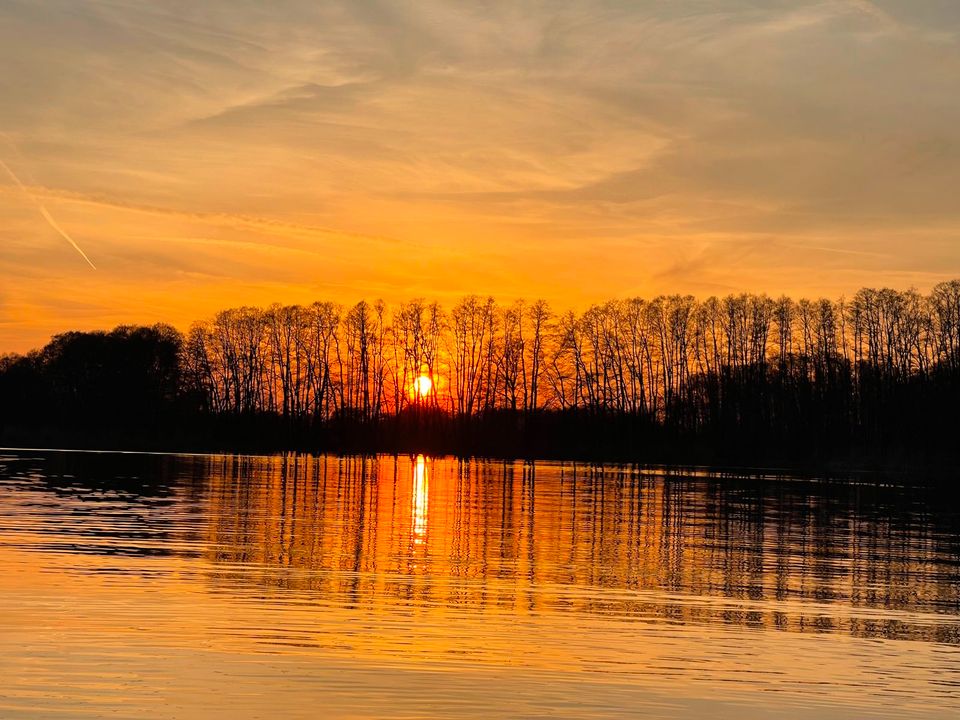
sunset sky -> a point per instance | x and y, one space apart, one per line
206 155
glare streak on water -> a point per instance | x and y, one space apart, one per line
220 586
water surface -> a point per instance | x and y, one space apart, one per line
240 587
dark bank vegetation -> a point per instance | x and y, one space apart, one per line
745 378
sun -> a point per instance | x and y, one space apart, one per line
422 386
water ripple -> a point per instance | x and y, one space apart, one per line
221 586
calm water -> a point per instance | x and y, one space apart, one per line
236 587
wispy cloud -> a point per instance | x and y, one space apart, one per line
869 8
572 149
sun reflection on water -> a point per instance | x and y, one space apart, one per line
420 500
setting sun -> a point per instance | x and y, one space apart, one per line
422 386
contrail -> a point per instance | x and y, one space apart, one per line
46 215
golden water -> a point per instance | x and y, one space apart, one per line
237 587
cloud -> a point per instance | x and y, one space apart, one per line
573 150
871 9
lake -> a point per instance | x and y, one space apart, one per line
174 586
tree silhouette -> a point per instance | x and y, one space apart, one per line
742 376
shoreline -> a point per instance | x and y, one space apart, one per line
853 468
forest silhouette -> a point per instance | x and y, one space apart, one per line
873 379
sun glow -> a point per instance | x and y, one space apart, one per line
422 386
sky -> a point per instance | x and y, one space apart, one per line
231 152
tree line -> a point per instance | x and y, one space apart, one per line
878 370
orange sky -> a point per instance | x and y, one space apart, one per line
217 155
